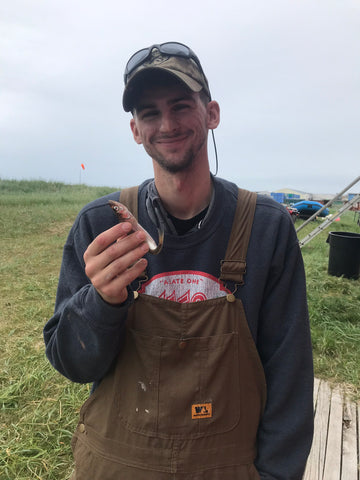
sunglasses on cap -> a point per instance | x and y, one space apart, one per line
169 48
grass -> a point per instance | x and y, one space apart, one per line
38 407
334 307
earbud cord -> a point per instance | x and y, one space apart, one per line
216 155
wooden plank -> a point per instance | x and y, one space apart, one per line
336 445
332 467
349 469
316 392
315 464
358 438
309 462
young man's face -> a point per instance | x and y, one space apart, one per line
172 124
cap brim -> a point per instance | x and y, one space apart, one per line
130 91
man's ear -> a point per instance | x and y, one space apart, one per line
135 131
213 115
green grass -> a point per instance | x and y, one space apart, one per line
334 307
38 407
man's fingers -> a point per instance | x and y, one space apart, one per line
115 291
114 260
109 252
120 264
102 241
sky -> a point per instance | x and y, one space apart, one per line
286 74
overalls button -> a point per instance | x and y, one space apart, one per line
230 298
182 345
136 294
81 428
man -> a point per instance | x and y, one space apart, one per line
200 355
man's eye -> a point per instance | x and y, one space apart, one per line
181 106
149 114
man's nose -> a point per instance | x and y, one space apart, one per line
168 123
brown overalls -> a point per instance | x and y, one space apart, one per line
187 392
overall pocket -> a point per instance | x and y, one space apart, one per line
179 388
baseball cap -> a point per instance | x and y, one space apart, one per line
173 58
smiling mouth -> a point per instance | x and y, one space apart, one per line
171 140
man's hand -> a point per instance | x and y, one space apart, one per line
114 260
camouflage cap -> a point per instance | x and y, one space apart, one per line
184 69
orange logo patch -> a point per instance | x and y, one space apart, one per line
201 410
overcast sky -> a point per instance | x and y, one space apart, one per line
286 74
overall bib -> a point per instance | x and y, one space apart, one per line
186 393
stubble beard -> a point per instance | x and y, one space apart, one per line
170 167
186 162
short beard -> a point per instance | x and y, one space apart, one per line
186 163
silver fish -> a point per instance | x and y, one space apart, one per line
124 215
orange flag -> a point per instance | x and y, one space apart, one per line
83 166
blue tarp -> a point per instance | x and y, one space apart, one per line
308 208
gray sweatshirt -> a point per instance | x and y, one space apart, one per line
274 299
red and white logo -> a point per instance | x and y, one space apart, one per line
184 286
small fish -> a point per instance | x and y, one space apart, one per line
124 215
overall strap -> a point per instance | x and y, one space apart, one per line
233 267
129 197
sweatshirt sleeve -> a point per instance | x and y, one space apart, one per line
284 344
85 334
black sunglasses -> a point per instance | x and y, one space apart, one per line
169 48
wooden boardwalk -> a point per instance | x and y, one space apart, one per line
335 451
